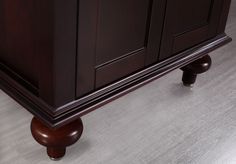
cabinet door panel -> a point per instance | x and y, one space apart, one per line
187 23
122 28
116 38
116 69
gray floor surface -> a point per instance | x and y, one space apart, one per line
160 123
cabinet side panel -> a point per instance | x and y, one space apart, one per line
17 41
38 42
224 16
56 48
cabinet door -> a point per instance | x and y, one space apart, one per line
187 23
116 38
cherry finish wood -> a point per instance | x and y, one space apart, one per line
16 24
69 77
122 36
56 140
188 23
62 59
35 36
191 70
59 116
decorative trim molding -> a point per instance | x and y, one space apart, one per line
56 117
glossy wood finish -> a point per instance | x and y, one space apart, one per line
56 117
113 35
79 55
56 35
16 24
188 23
70 72
35 36
191 70
193 134
56 140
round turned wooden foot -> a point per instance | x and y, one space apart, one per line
189 79
56 140
193 69
56 154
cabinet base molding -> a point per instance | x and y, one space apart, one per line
56 117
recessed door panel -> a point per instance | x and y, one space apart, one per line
116 39
187 23
122 28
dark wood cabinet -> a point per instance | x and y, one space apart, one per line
17 39
62 59
187 23
124 37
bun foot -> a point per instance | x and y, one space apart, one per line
56 140
56 154
189 79
191 70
